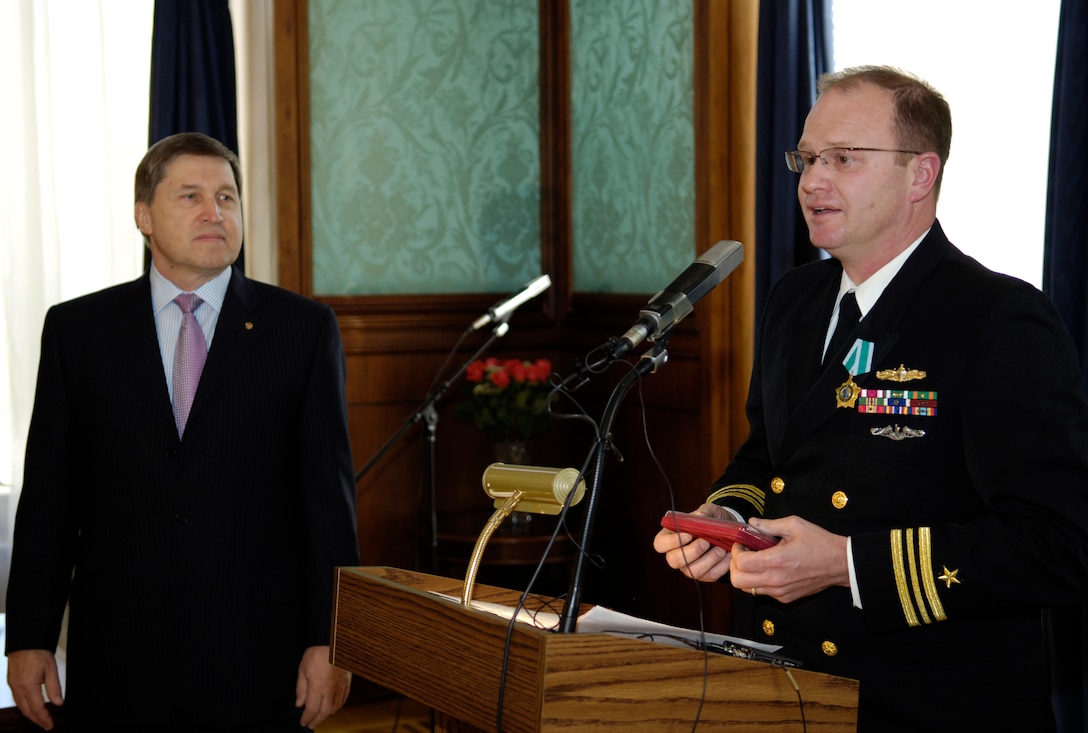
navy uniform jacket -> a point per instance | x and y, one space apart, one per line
197 570
968 508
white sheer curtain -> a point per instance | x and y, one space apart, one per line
74 77
255 61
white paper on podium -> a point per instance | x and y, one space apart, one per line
601 620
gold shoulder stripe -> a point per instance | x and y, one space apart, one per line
749 493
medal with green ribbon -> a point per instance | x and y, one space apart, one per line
859 360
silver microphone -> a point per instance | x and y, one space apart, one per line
501 311
676 301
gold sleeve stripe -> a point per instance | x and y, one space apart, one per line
751 494
925 549
911 556
901 578
914 584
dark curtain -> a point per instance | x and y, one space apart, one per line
1065 279
794 50
192 73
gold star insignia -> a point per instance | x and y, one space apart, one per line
847 393
949 577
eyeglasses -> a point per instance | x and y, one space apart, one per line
841 160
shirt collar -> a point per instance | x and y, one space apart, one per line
212 292
870 291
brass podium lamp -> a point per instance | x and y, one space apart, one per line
528 489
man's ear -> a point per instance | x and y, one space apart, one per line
927 166
143 217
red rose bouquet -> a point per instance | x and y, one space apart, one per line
507 397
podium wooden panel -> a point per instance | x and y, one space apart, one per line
390 628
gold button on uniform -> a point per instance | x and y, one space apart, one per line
829 648
778 485
839 499
768 627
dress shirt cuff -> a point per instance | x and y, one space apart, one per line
733 513
854 592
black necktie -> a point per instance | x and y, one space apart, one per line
849 314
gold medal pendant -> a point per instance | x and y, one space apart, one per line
846 394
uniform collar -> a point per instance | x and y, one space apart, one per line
869 292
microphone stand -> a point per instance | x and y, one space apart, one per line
427 410
647 364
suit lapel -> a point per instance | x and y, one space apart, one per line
807 342
880 326
790 352
235 332
137 338
810 382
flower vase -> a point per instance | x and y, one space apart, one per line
515 452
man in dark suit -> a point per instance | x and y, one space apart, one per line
927 473
195 544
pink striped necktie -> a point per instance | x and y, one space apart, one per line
189 358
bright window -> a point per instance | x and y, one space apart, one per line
996 68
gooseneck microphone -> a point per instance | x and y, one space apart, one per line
676 301
501 311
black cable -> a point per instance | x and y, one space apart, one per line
602 441
698 588
561 524
800 700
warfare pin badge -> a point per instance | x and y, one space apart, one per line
902 374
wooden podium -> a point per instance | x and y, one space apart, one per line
390 628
